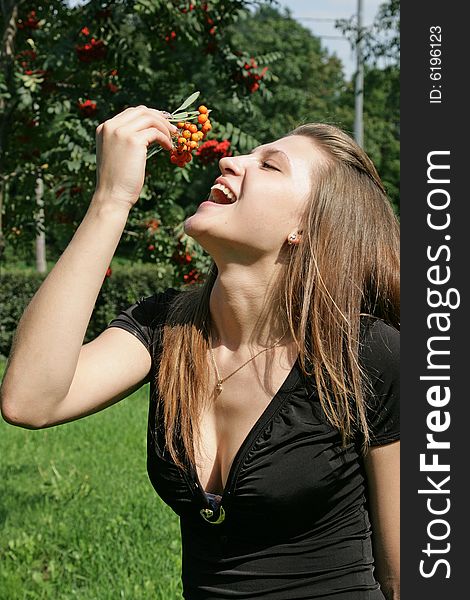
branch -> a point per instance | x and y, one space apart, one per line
10 11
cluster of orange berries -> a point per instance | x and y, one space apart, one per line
189 137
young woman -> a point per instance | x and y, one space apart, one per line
273 422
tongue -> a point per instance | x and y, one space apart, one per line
219 197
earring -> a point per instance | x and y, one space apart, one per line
291 239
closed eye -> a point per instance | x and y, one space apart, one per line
266 165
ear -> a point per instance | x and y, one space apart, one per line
294 238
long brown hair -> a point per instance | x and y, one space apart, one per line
346 265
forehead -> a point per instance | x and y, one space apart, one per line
299 150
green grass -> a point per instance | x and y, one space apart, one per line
78 515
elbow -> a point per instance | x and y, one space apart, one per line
13 416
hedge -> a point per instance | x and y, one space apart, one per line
124 287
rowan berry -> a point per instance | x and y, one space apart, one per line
189 136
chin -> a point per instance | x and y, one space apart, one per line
198 230
190 227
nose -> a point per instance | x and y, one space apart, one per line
231 164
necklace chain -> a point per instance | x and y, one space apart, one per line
221 380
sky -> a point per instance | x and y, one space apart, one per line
332 9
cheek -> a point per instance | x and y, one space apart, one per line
265 226
276 211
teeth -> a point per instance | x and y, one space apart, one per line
230 195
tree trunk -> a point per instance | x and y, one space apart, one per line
41 264
10 15
2 237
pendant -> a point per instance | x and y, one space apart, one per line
218 387
207 514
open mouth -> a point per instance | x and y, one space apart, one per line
220 194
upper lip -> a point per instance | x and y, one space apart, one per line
223 181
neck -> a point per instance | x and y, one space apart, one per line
243 306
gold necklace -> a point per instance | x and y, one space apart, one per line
220 380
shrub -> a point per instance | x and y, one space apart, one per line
123 287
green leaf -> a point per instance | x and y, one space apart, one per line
228 129
185 175
188 101
153 151
242 142
179 116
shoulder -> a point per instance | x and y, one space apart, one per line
151 310
145 316
380 358
379 346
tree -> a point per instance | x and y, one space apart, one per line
307 82
72 68
288 79
64 70
381 93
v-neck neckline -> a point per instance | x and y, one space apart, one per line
192 478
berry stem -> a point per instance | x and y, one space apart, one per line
181 115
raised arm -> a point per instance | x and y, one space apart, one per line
382 464
51 376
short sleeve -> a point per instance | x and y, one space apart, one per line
381 360
144 316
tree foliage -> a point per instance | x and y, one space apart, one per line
71 68
307 82
381 43
64 70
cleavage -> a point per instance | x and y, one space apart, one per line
229 419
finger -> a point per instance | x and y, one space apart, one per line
123 116
166 118
130 114
144 120
154 135
141 123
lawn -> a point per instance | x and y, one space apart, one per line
78 515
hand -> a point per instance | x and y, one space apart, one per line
121 152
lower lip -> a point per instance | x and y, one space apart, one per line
209 203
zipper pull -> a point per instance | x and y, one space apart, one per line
207 514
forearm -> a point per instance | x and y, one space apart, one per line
50 333
389 584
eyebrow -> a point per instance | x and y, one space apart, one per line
270 151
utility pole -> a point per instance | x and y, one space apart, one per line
41 264
359 87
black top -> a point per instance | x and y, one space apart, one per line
296 523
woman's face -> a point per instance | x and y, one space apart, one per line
270 187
